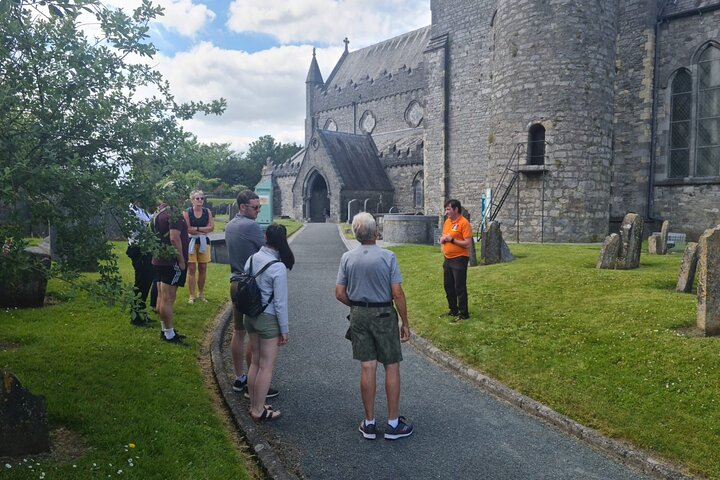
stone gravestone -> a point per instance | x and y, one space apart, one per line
23 420
687 268
708 285
232 210
664 238
654 247
609 252
493 248
631 237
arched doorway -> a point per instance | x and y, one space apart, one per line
318 201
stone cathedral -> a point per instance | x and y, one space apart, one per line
577 111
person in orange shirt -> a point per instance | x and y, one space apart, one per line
455 241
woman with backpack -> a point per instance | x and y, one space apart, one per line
269 330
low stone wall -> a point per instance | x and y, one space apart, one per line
409 228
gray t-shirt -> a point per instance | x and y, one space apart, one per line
243 237
368 272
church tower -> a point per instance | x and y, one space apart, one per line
313 84
552 93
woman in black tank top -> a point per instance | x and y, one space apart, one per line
200 222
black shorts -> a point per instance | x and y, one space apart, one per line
172 276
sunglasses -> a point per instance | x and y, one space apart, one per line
199 198
254 207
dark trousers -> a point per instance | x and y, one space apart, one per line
455 283
142 264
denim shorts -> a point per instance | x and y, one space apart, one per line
375 334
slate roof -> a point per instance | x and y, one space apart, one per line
355 160
674 7
403 51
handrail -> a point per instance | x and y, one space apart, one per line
514 159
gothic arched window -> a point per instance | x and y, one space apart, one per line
680 114
417 188
707 163
536 145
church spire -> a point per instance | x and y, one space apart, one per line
314 75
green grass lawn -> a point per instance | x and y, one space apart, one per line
109 384
601 346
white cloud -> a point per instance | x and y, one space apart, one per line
265 91
182 16
329 21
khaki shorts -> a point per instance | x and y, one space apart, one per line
197 257
264 326
375 334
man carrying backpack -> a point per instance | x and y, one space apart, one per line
243 238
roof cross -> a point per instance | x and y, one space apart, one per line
346 42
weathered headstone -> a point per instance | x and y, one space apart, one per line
493 248
631 237
664 238
609 252
708 285
232 210
654 247
23 419
687 268
29 289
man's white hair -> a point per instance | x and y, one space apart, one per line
364 227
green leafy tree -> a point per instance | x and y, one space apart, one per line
77 142
259 152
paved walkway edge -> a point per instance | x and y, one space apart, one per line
626 454
269 461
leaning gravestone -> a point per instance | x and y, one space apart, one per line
631 236
708 287
609 252
662 250
232 210
654 247
687 268
493 248
23 419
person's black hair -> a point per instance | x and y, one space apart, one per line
454 204
276 237
245 196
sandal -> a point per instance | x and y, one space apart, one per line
191 301
267 414
202 299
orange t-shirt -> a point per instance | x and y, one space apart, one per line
460 229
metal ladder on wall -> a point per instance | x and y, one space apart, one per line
507 181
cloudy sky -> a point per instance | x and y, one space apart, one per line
256 54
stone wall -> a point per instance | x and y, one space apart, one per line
402 178
459 72
690 203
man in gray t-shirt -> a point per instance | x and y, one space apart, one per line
243 237
369 282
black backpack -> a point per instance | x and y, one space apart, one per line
248 298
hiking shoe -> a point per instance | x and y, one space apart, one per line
271 393
239 385
403 429
177 339
368 431
177 335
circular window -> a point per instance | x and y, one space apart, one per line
367 122
414 114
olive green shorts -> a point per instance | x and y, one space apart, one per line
264 326
375 334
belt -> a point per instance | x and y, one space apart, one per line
370 304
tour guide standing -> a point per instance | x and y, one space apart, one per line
170 263
369 281
243 237
456 240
